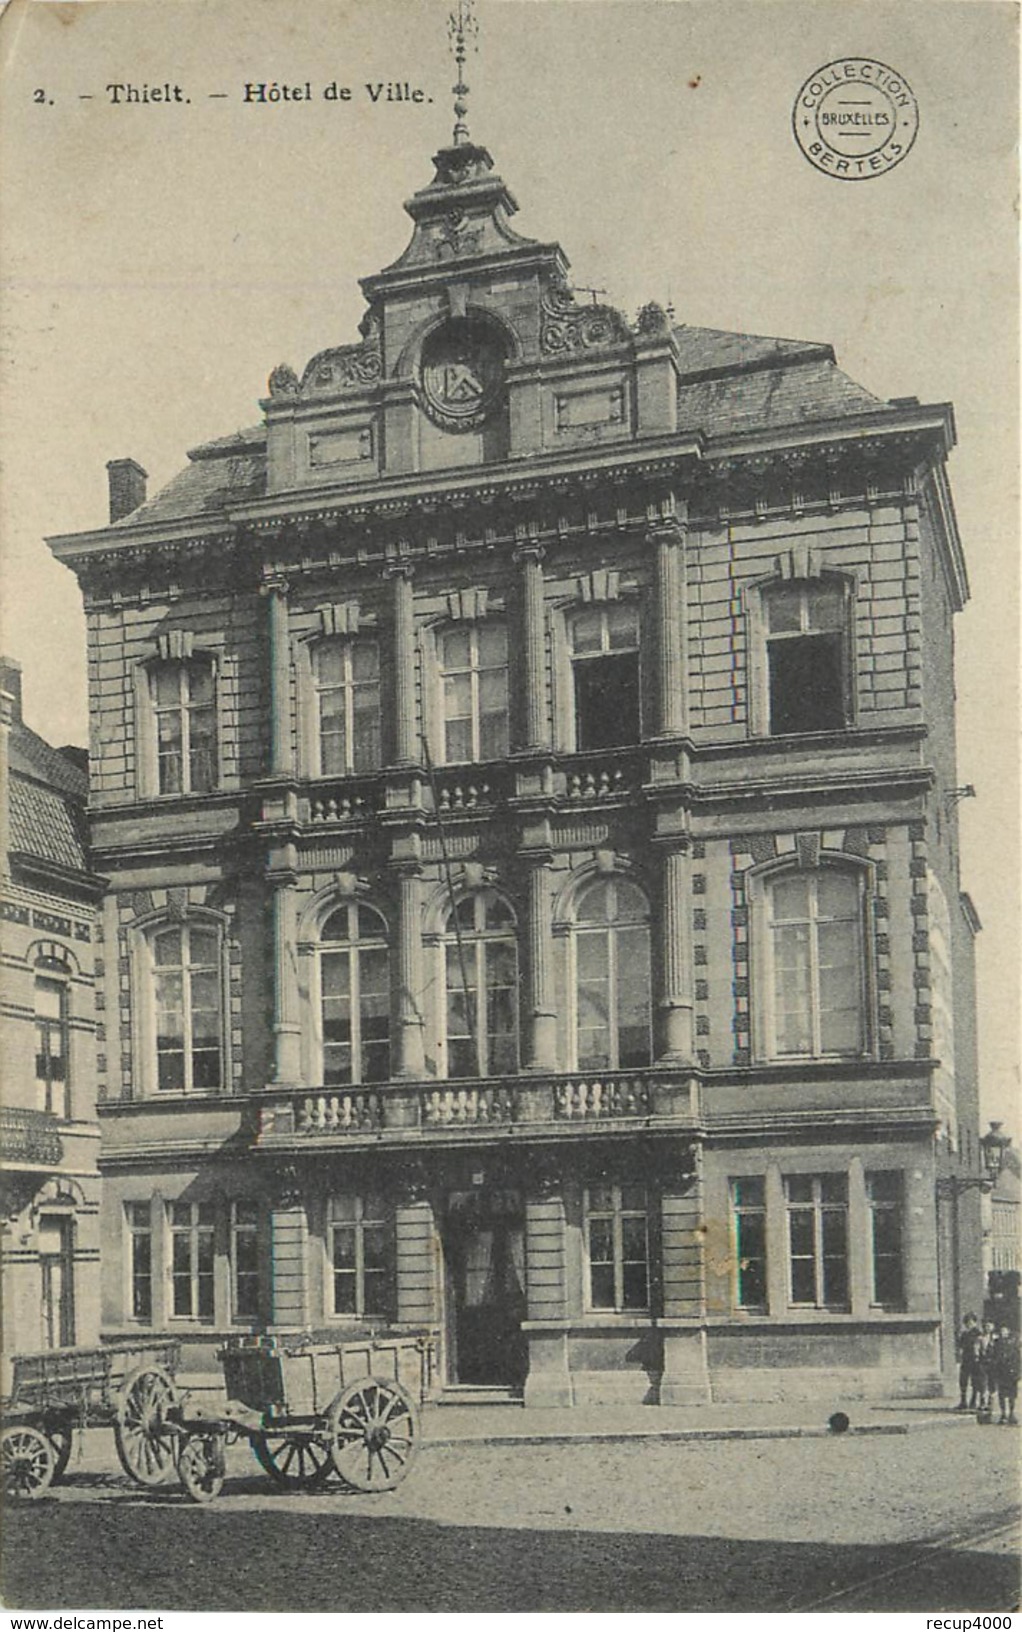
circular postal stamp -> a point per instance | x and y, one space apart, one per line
855 118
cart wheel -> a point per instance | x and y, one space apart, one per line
373 1434
293 1461
145 1442
62 1438
200 1466
27 1458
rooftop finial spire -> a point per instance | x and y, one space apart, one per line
462 29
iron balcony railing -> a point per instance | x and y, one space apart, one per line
29 1136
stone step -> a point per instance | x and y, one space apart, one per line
478 1394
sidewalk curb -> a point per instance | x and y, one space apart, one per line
683 1435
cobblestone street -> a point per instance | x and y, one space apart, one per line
914 1521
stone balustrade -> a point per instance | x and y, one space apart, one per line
435 1109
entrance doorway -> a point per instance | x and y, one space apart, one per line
484 1253
56 1262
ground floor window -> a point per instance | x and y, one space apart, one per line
191 1226
884 1193
818 1240
244 1259
138 1216
748 1212
617 1246
359 1244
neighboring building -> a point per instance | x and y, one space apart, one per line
524 770
49 1136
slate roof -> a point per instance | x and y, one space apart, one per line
730 383
231 470
47 795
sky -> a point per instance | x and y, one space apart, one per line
160 258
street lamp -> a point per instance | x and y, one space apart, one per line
993 1146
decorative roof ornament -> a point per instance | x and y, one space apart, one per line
462 30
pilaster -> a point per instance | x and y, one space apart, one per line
541 1014
406 746
282 761
672 709
416 1255
287 1069
537 720
676 999
289 1238
410 1052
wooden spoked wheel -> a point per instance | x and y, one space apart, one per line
146 1441
374 1434
201 1466
27 1460
61 1437
293 1461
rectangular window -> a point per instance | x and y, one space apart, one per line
245 1259
51 1047
347 678
806 663
138 1218
884 1194
359 1244
818 1240
617 1247
184 710
605 664
191 1259
475 693
748 1205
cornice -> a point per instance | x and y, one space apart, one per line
673 459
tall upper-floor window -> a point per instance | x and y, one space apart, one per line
807 656
354 981
51 1046
187 1008
612 977
346 680
604 647
814 985
183 698
481 979
473 667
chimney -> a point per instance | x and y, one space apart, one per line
127 482
10 689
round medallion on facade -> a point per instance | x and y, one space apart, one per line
855 119
462 374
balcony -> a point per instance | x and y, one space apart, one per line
438 1112
29 1138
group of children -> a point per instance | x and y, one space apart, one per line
988 1364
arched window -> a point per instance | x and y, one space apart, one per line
354 994
52 1040
346 679
812 970
612 977
473 668
187 1008
481 956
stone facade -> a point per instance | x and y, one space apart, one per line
603 667
49 1136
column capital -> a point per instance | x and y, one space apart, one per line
275 584
528 550
672 530
399 570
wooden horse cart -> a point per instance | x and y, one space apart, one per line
311 1412
127 1386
